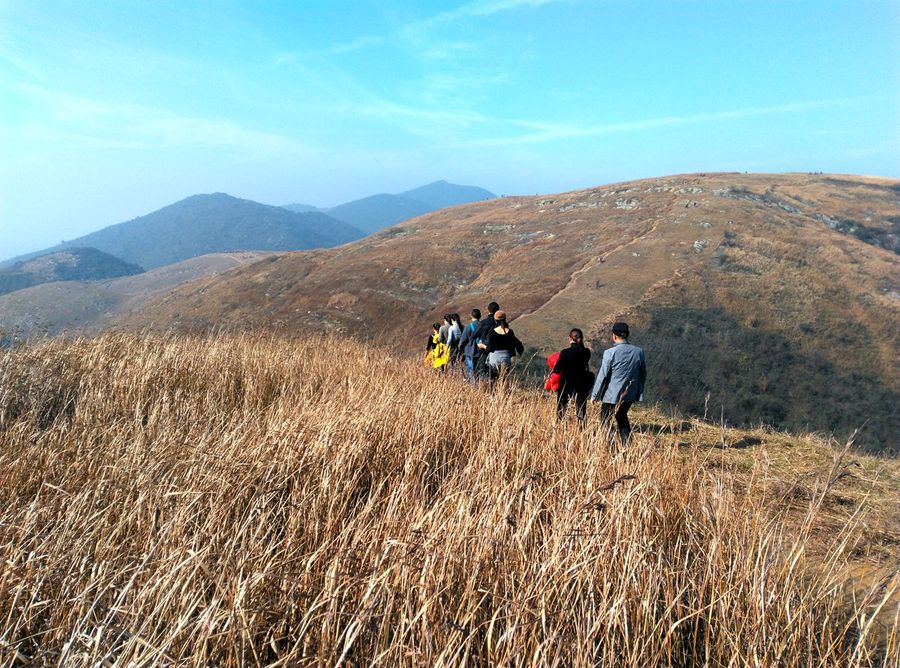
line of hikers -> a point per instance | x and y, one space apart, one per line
487 346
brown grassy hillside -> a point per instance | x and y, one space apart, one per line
249 501
774 295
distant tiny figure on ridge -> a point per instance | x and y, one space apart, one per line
574 376
620 381
501 346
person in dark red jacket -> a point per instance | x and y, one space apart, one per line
575 377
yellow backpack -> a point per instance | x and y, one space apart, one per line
439 355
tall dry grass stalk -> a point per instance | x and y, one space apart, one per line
238 501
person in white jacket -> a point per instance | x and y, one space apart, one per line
454 335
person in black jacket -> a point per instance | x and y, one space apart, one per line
432 338
576 378
485 326
501 345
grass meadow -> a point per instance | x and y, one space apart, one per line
244 500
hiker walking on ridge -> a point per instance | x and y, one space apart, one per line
433 338
574 376
484 329
444 331
501 346
620 381
437 354
454 334
468 343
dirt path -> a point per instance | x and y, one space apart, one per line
594 294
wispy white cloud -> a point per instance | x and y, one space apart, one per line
832 133
338 49
439 50
33 134
218 134
422 34
354 45
550 131
424 107
451 48
418 32
443 98
480 8
387 110
76 122
23 65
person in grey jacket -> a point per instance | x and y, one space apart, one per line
620 381
444 332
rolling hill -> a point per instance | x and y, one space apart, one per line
74 264
217 223
763 298
83 308
376 212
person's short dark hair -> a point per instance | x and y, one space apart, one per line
575 331
620 329
436 325
447 317
454 317
493 307
476 313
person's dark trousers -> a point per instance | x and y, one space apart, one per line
620 411
496 373
564 395
581 394
481 366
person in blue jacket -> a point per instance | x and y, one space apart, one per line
468 342
620 380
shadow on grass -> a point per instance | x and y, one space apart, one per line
657 429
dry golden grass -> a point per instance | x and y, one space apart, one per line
246 500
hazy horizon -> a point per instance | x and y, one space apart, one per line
111 112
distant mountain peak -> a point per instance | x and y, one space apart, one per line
381 210
212 223
208 196
441 194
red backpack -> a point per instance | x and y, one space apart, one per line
552 384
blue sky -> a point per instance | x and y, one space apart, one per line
112 110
